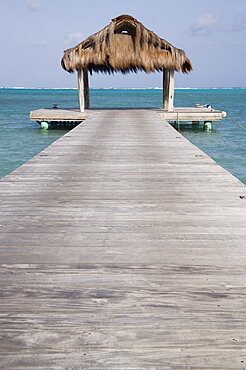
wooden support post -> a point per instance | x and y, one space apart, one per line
86 88
81 92
168 89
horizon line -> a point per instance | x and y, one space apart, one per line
120 88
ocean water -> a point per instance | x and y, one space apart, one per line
21 139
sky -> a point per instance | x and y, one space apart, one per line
34 33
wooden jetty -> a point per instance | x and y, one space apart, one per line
57 116
74 116
122 247
195 115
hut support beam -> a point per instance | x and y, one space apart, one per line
81 91
168 89
86 88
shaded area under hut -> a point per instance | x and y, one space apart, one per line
125 45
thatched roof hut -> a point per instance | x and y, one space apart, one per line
124 45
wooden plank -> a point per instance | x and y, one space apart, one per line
193 114
57 114
122 246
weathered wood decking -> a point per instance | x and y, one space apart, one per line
193 114
58 115
177 114
123 246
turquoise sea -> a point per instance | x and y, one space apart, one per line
21 139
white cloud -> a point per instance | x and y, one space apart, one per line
204 24
74 38
34 5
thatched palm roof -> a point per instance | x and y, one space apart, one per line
125 45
